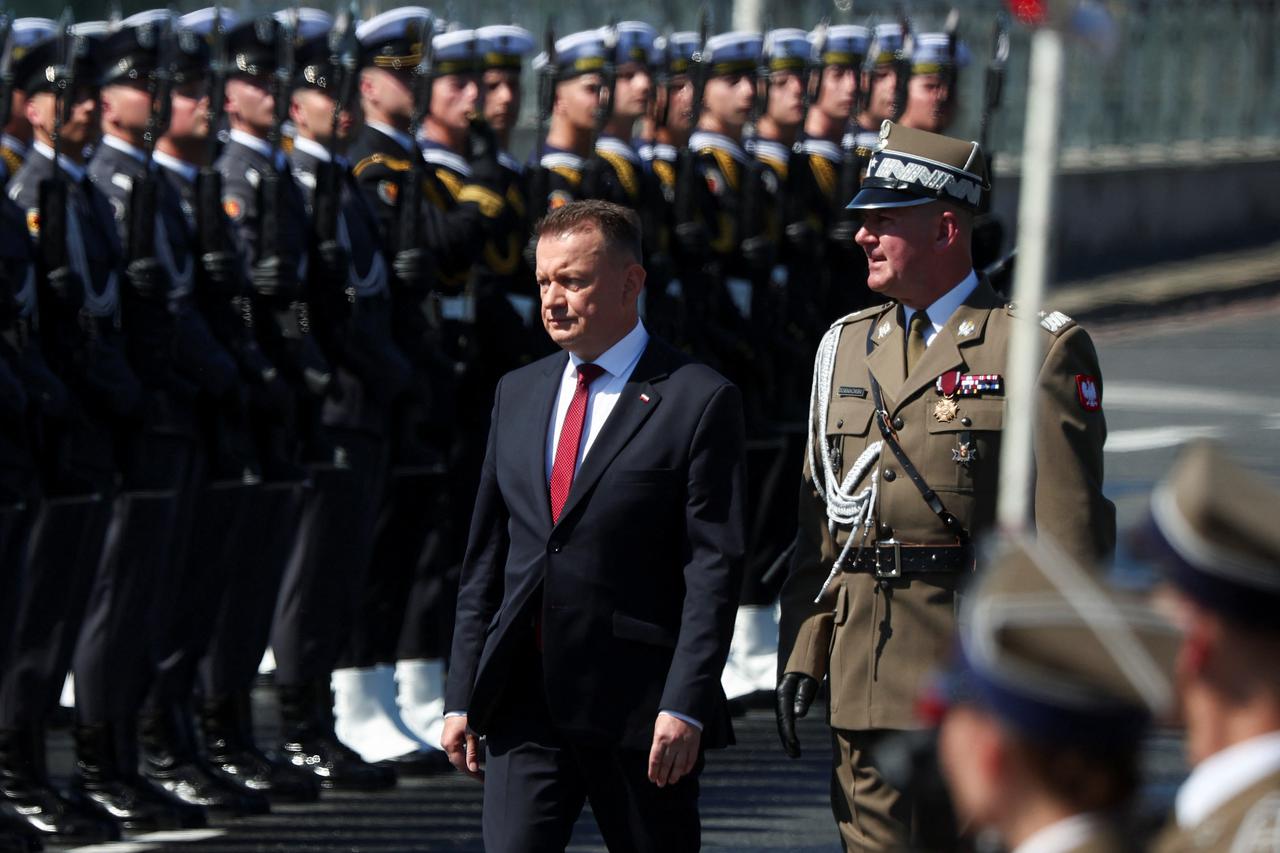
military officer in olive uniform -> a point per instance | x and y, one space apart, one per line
1212 533
901 470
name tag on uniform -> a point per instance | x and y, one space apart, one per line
853 391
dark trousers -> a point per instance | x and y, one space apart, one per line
538 778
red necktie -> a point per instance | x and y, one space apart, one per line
571 438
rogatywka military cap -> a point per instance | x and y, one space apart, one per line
676 51
33 72
910 167
845 44
1212 531
394 39
635 43
736 52
504 46
932 53
576 54
787 49
1056 654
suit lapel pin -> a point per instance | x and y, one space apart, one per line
644 398
885 329
965 329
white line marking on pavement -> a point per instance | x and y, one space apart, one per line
1155 397
1154 438
150 841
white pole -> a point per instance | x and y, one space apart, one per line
1035 243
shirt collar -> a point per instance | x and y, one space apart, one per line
1224 774
124 147
311 148
401 138
248 140
73 170
618 359
1065 835
941 310
188 171
440 155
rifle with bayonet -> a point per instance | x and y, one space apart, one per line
52 192
988 230
144 271
994 89
756 244
691 233
539 181
592 185
852 163
327 202
217 260
275 273
902 65
413 263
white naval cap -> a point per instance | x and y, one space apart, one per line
635 42
91 29
734 52
311 22
393 39
932 53
787 49
844 44
576 53
504 45
677 50
886 41
456 52
201 20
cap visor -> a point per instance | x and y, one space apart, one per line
875 198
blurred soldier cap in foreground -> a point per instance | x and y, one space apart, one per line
786 49
1059 657
394 39
846 44
910 167
932 53
677 50
576 54
1212 531
635 43
886 42
251 47
131 53
504 46
737 52
33 72
456 52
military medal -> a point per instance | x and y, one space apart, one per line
964 453
945 410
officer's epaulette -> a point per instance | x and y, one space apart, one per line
395 164
862 314
1053 322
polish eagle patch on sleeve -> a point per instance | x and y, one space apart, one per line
233 208
33 221
388 191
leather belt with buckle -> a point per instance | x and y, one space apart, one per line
892 559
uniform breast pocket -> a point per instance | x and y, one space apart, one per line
964 452
850 428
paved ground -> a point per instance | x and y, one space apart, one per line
1214 373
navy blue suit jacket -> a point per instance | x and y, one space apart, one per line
637 584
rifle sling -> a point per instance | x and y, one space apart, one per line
949 521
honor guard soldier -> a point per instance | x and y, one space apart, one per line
1211 532
878 86
159 260
824 175
902 467
777 128
225 606
615 171
554 176
505 272
327 579
16 140
932 94
1042 715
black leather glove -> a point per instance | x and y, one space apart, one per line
793 695
275 278
67 286
482 155
336 259
414 269
693 239
220 271
758 252
147 278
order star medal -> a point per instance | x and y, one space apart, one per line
964 453
945 410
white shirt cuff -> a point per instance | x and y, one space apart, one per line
455 713
682 718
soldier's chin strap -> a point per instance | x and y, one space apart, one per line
844 506
949 521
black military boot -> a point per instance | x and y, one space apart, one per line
306 714
102 784
170 761
28 798
228 738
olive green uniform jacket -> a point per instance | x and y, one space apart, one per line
880 640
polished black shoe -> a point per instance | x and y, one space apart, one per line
306 714
170 763
101 785
424 762
227 722
29 800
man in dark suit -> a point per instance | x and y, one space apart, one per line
602 571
